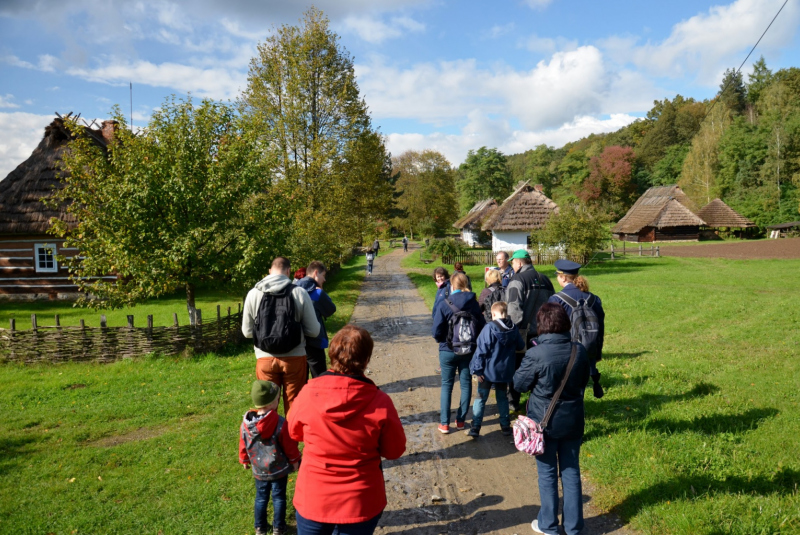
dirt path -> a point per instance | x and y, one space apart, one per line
785 248
443 483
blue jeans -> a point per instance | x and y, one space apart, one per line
310 527
560 454
278 490
452 364
500 395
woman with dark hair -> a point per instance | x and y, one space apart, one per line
442 279
347 425
458 267
541 373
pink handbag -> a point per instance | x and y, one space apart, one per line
528 435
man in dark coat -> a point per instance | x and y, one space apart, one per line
376 245
527 291
316 274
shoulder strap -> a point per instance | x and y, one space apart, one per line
591 300
557 395
452 306
567 299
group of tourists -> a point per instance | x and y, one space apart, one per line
345 422
520 336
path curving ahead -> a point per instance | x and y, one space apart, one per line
443 483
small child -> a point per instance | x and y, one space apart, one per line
493 364
265 444
370 259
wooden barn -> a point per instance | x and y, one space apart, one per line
662 213
719 216
470 224
527 209
29 267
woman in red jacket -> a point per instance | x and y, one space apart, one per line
347 425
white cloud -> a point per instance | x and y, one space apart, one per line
374 30
21 133
702 46
46 63
484 131
538 4
217 83
7 102
498 30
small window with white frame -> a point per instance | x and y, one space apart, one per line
45 258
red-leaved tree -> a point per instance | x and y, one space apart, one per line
610 185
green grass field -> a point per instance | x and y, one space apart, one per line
139 446
700 427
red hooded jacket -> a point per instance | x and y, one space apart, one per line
347 425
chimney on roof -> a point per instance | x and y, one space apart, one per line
539 188
108 128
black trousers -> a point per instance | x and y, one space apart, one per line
513 395
316 361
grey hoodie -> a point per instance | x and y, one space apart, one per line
303 307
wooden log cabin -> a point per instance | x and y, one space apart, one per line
662 213
29 266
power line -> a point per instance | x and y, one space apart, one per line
714 103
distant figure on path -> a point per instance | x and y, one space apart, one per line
405 244
347 425
541 373
370 260
324 308
376 246
576 293
278 316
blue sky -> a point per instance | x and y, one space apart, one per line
445 75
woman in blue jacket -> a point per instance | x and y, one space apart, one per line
542 370
451 363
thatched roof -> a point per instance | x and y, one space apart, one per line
21 209
717 214
660 206
526 209
477 214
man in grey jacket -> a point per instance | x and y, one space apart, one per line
289 369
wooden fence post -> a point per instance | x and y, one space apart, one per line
58 321
658 252
130 321
612 251
198 322
103 321
103 335
13 324
11 338
640 250
175 319
33 322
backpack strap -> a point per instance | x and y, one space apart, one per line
557 395
567 299
452 306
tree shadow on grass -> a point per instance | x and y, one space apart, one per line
783 482
620 266
715 424
623 356
428 381
12 451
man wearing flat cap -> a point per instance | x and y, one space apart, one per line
574 294
527 291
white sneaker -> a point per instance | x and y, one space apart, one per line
535 526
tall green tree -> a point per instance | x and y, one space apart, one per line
426 182
732 91
699 174
303 101
483 175
759 79
576 227
175 205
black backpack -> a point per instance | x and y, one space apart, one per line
585 323
496 295
276 330
461 331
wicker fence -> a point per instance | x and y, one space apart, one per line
107 344
487 258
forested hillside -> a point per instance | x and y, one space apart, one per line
743 147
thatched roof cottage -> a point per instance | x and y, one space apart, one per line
662 213
470 224
524 210
28 264
718 215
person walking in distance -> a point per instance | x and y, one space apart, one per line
324 308
370 260
278 316
376 246
586 315
527 291
405 244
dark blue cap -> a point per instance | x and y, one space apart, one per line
567 266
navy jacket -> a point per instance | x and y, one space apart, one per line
441 293
495 356
541 373
323 308
507 274
573 291
441 316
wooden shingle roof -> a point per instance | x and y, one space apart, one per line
717 214
525 209
660 206
21 192
477 214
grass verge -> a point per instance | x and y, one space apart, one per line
698 430
138 446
